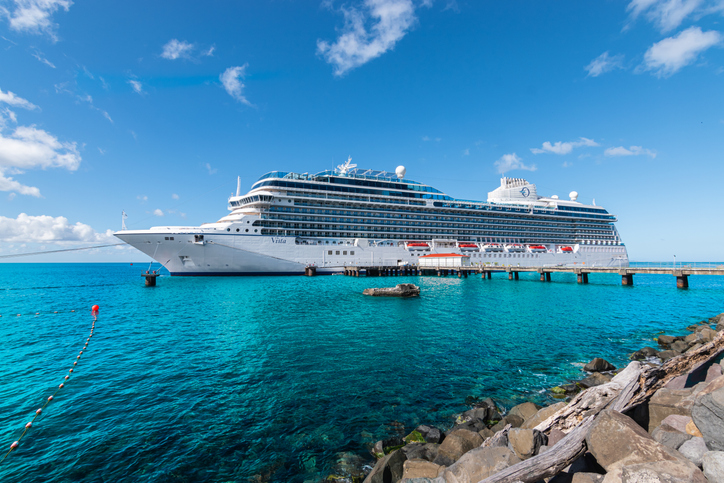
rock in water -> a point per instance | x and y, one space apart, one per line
401 290
599 365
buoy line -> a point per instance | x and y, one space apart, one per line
39 411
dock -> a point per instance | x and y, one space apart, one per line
681 274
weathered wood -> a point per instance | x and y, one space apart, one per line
639 385
654 378
547 464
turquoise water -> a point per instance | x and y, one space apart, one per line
285 378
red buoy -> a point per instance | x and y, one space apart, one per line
30 424
66 378
95 308
38 411
60 387
51 397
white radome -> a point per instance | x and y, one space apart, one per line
400 172
573 195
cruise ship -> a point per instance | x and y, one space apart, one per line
365 218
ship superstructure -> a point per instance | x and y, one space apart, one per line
356 217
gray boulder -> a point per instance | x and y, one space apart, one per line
493 413
486 433
587 478
627 452
708 335
514 420
669 436
668 401
389 468
708 414
479 464
713 463
643 353
666 340
525 443
427 451
666 355
656 472
679 346
595 379
524 411
430 434
455 445
599 365
542 415
694 450
677 422
416 468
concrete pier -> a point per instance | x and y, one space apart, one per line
486 272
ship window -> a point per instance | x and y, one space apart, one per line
344 252
228 229
171 238
329 252
351 253
165 238
337 252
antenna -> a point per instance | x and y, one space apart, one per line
238 185
123 220
346 167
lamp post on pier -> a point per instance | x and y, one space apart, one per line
674 262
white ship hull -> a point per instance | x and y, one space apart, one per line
236 254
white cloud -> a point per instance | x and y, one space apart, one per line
668 56
210 52
102 151
466 152
158 212
428 138
174 196
604 63
33 16
566 164
27 147
42 59
48 229
358 43
211 170
563 148
509 162
12 100
666 14
174 49
142 198
231 79
631 151
137 86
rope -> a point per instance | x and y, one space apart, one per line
40 410
58 251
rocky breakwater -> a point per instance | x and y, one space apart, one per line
646 423
400 290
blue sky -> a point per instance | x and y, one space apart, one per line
137 106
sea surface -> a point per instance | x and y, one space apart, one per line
289 379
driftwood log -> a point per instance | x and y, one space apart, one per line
630 388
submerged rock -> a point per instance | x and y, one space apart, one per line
400 290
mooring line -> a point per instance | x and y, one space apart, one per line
38 412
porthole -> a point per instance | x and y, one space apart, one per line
228 229
237 230
247 230
255 230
